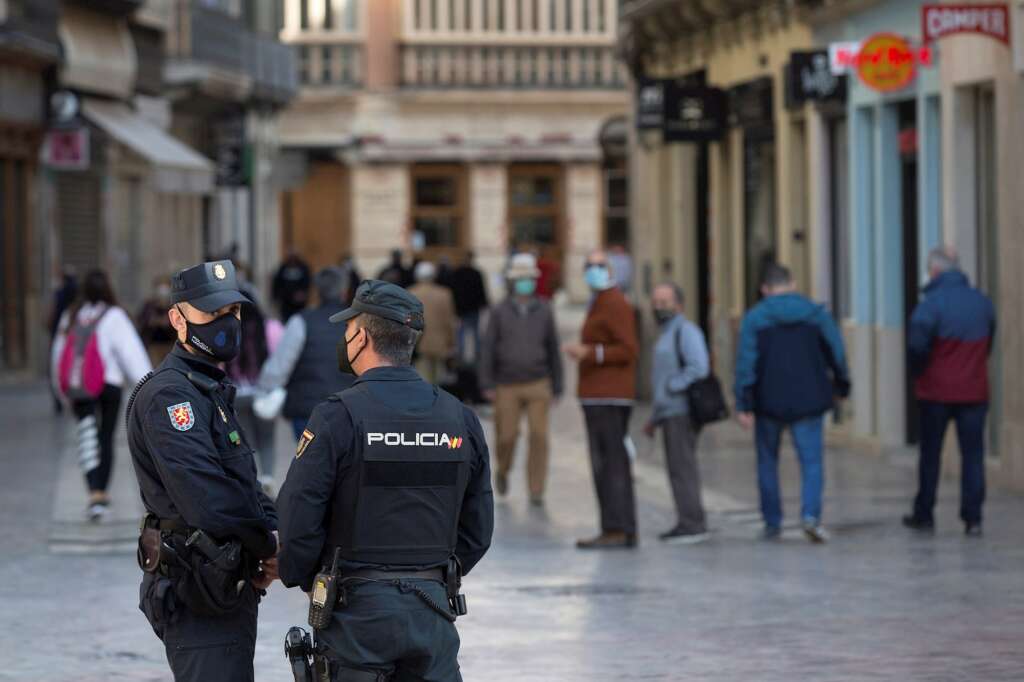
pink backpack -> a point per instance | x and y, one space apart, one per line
80 371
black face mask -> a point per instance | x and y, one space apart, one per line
344 364
663 315
220 338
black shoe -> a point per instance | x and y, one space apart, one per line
772 533
501 484
973 530
920 525
678 536
616 540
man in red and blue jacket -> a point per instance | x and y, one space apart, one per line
949 339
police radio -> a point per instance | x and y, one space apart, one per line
324 595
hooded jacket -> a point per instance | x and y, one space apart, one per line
949 339
791 361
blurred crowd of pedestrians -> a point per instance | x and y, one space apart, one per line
790 371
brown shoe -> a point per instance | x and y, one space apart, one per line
613 540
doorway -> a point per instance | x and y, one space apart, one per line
908 145
758 208
316 216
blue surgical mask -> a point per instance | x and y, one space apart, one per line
597 277
524 287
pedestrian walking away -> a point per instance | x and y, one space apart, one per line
244 371
209 535
303 361
949 341
95 352
607 355
521 371
467 284
680 358
386 506
790 367
437 343
291 285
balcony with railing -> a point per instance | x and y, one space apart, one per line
329 39
206 42
29 28
509 44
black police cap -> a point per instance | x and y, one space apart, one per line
386 300
207 286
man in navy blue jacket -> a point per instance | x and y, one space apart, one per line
790 366
949 340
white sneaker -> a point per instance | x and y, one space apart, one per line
98 511
815 532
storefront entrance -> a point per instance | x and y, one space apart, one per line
315 218
908 146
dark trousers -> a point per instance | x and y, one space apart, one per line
970 432
684 472
105 410
204 648
387 627
607 426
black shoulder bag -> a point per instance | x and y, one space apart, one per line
705 396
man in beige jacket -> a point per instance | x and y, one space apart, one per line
438 340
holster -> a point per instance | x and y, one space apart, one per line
209 578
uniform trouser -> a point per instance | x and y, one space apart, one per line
970 432
103 410
607 426
203 648
510 401
386 628
684 472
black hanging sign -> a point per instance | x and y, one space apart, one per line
809 79
695 113
750 103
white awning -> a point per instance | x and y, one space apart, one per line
176 167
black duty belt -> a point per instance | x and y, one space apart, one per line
168 525
377 574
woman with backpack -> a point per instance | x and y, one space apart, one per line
95 354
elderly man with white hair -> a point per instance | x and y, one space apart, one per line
949 339
437 343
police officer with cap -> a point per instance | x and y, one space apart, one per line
390 483
208 541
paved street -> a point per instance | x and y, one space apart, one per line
874 604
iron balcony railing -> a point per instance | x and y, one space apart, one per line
211 36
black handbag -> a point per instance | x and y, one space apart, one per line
705 396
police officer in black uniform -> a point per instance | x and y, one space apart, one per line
209 537
392 478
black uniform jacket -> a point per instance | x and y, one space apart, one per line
305 499
190 467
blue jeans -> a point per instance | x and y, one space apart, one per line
970 432
298 426
469 326
808 441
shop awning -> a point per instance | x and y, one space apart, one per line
176 167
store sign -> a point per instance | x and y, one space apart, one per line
695 113
650 104
684 112
809 79
67 149
885 62
939 21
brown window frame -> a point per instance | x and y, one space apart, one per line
459 210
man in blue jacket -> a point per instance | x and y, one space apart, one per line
949 339
790 366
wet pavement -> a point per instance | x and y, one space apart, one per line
875 604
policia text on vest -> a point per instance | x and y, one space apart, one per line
386 505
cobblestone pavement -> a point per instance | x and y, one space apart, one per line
874 604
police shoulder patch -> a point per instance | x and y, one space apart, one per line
304 441
182 417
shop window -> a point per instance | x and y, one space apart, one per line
759 210
535 211
839 160
439 207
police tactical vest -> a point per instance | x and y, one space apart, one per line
399 502
316 374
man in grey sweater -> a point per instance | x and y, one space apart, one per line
520 370
680 358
